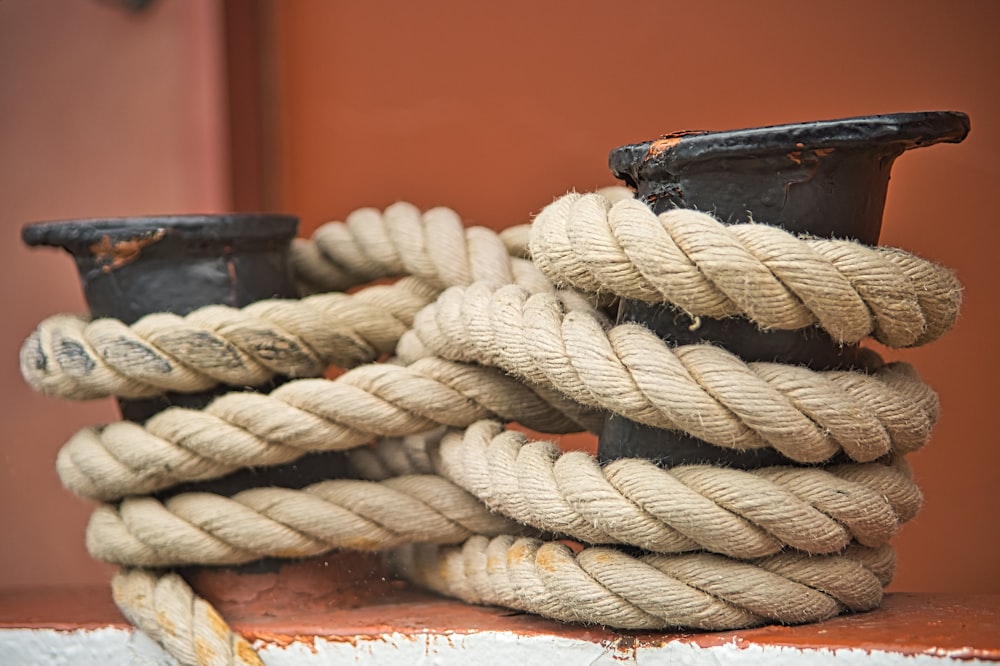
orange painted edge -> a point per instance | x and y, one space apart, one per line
952 625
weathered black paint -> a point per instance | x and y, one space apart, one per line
131 267
826 179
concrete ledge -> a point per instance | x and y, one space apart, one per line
82 626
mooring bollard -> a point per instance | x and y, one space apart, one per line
133 266
825 179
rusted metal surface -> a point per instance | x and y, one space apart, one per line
826 179
112 255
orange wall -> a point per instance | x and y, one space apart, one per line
101 113
494 108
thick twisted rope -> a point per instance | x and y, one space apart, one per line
760 272
204 528
694 507
165 608
701 389
308 415
72 358
607 586
736 513
400 241
718 548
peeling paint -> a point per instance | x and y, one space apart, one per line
811 156
315 623
668 141
23 647
114 255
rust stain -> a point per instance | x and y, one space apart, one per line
306 640
231 269
519 551
218 625
800 156
548 558
204 652
165 622
660 145
603 558
668 141
959 626
246 653
495 563
118 254
624 648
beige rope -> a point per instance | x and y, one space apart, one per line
779 544
742 514
72 358
701 389
610 587
240 429
433 246
205 528
165 608
761 272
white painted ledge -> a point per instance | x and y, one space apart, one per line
115 645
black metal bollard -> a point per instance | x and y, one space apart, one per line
131 267
826 179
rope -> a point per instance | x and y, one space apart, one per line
165 608
204 528
72 358
693 507
701 389
630 502
463 505
606 586
308 415
763 273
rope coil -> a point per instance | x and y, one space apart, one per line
482 337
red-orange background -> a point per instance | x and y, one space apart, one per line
496 108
